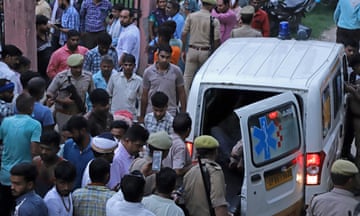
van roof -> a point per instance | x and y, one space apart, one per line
275 62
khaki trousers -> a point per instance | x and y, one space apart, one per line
194 60
61 120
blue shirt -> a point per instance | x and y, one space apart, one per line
30 204
179 19
93 15
99 82
92 59
80 159
346 15
69 20
17 132
43 114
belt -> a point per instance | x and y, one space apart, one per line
199 48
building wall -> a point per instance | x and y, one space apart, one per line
20 29
146 7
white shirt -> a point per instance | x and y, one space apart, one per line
7 73
114 199
55 203
86 175
162 206
129 42
114 30
125 92
119 208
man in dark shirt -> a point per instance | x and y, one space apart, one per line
99 118
44 47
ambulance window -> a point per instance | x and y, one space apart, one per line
338 96
326 111
274 134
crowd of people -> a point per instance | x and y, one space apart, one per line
84 133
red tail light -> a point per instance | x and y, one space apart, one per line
314 162
190 147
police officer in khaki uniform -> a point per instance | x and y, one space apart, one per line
340 200
197 24
245 30
68 90
194 191
159 141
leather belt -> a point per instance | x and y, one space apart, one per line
199 48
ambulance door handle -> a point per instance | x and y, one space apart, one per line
255 178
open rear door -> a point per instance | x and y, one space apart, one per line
273 157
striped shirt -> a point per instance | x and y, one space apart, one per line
92 59
164 124
93 15
69 20
6 109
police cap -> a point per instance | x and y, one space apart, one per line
247 10
75 60
344 167
160 140
206 142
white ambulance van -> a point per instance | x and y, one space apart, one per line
285 100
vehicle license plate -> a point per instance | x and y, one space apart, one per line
277 179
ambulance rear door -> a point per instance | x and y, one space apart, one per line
273 157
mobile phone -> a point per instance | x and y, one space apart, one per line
156 160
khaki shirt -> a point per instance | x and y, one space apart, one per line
245 31
336 202
194 189
150 181
83 84
198 25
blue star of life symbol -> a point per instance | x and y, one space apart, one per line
266 140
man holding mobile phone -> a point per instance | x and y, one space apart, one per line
159 144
